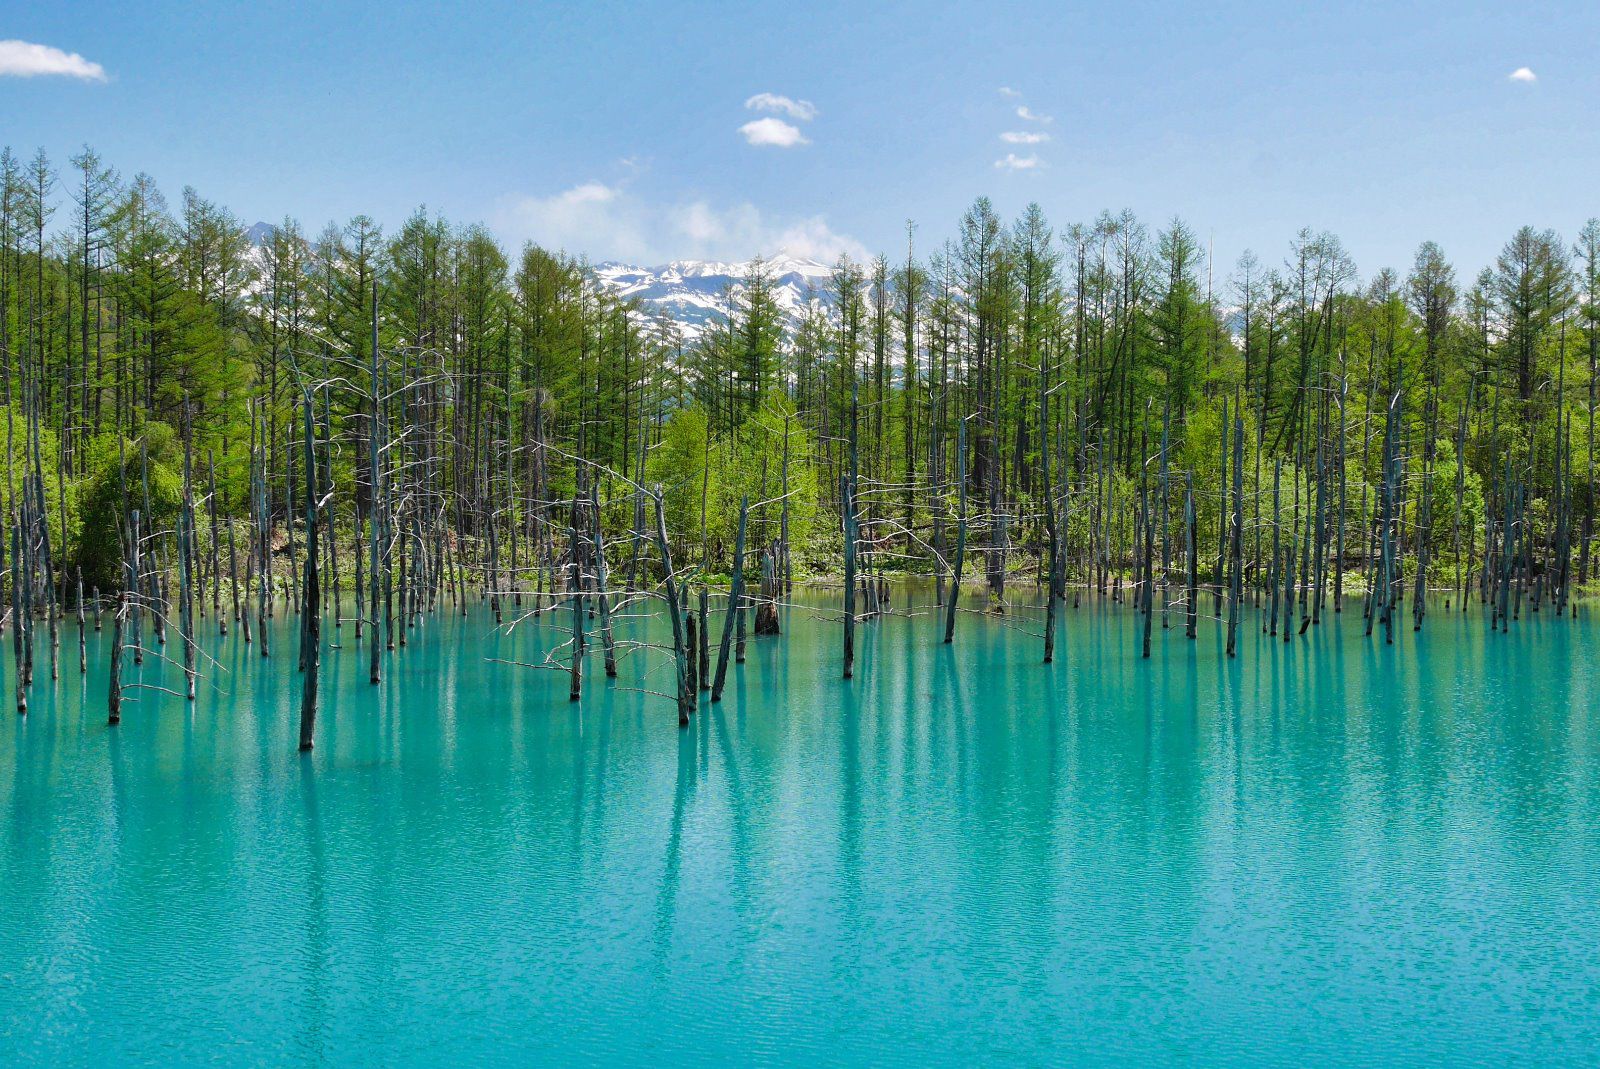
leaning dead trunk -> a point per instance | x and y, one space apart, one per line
311 597
1192 548
114 693
83 648
1236 584
735 599
602 601
847 507
680 648
703 671
961 535
1050 528
575 691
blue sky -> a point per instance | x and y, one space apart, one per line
622 130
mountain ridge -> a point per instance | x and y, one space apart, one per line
692 293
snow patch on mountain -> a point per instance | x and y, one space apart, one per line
696 293
692 293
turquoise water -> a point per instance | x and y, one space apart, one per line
1334 853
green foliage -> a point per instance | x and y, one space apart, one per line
703 478
18 462
504 373
114 487
749 463
680 467
1447 523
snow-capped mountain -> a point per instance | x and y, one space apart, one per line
694 292
691 292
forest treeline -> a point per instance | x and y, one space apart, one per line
1015 386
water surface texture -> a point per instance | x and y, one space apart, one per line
1332 853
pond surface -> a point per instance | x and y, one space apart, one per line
1332 853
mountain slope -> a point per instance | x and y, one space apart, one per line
696 292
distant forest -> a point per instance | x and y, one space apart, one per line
1021 384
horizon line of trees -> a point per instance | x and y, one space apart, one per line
1040 374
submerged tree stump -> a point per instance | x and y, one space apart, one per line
767 611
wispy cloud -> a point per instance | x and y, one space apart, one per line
742 231
803 110
23 59
775 132
1012 162
589 216
613 221
1523 74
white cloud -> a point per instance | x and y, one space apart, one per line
1523 74
613 222
1012 162
1024 112
23 59
1024 137
775 132
813 239
591 193
803 110
741 231
588 216
1009 93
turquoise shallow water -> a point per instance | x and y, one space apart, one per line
1334 853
